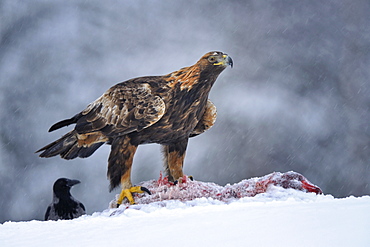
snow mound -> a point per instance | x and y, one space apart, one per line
274 210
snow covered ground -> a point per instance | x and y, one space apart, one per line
279 217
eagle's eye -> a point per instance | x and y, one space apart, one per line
212 59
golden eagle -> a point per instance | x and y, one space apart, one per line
164 109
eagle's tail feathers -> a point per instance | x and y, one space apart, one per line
67 147
59 146
88 151
71 152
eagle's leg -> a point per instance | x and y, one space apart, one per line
119 168
174 154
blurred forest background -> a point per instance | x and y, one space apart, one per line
298 97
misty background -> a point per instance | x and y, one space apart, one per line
298 97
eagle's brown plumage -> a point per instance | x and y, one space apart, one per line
154 109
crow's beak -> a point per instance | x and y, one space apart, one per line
72 182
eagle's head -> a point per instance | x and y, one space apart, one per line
204 72
215 60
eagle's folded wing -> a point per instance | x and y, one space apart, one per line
124 108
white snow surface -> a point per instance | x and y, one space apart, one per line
278 217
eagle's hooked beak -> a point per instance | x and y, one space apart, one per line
226 61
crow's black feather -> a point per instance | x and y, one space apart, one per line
64 206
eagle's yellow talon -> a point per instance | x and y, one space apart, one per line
127 193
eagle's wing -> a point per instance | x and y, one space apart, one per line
124 108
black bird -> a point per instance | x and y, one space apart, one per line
64 206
